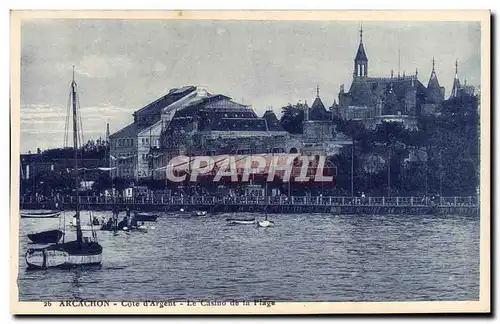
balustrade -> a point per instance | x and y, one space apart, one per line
471 201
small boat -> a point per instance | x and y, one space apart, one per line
235 221
45 237
42 214
199 213
265 223
146 217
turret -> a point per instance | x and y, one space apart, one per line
361 60
456 82
435 93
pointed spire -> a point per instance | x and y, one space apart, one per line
73 73
361 54
456 82
392 73
107 131
433 80
416 72
361 34
317 91
399 62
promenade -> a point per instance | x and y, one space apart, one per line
276 204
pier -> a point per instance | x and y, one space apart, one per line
276 204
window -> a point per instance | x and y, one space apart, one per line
147 140
131 142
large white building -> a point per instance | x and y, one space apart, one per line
130 147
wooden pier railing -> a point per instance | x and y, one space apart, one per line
470 201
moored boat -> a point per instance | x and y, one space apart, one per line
40 214
65 255
235 221
265 223
199 213
145 217
45 237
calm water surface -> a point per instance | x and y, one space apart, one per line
306 257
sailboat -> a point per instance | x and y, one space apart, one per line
265 222
84 251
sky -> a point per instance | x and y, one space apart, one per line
122 65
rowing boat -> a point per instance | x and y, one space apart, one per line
42 214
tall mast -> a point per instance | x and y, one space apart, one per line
75 147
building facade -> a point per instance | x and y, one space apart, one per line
217 125
399 98
131 146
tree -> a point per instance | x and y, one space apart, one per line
292 117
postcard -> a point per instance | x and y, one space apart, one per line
250 162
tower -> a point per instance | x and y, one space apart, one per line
361 60
456 82
435 93
107 132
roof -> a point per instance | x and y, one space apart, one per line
456 86
272 122
369 91
173 95
240 124
127 131
209 111
318 111
433 81
361 54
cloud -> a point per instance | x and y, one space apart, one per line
103 66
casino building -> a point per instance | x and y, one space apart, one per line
217 125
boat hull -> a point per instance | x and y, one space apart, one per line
144 217
46 237
241 222
64 255
266 223
41 215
